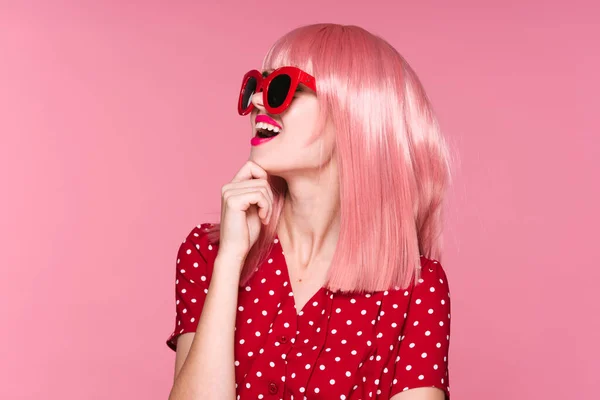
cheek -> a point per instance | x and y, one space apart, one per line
300 121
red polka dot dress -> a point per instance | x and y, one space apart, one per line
339 346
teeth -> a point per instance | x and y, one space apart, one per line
264 125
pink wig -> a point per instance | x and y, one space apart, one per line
394 163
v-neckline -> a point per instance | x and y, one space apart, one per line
289 281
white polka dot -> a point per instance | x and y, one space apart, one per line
271 292
418 301
278 272
316 390
203 278
416 323
411 345
301 390
348 322
337 359
358 333
286 325
334 331
443 302
424 355
438 345
408 367
441 323
315 303
236 363
430 311
421 377
184 310
435 366
183 271
363 312
250 354
353 352
257 333
259 374
332 382
242 341
272 364
188 251
183 290
348 374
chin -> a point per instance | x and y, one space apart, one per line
272 167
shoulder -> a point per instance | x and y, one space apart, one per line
199 245
432 277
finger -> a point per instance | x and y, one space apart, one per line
248 171
242 201
252 183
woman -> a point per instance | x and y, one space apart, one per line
322 280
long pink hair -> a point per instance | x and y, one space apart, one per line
394 163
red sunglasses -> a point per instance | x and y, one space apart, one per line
278 88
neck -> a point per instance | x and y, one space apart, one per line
310 220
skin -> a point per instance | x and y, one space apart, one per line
308 230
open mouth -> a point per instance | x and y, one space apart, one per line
266 133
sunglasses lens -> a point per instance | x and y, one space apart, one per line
278 90
249 90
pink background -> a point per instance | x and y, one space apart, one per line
118 127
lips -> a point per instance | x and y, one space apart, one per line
266 119
266 127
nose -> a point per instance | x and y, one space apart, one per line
257 100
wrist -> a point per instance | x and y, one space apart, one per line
229 265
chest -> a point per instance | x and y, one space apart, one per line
314 341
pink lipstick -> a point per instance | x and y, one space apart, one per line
267 119
264 135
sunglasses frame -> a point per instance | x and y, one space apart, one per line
262 84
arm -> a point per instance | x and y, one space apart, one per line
421 369
420 394
204 363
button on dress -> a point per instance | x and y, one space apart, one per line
346 346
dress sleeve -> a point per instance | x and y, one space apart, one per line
423 348
192 277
